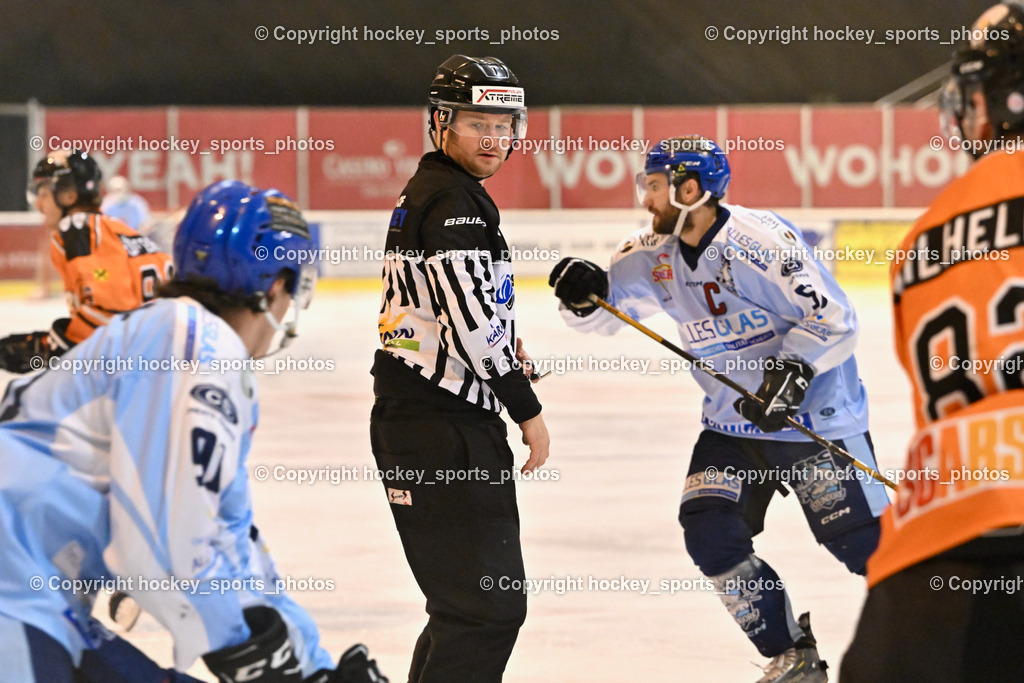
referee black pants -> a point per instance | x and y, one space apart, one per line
447 475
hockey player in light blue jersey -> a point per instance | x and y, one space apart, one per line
748 298
136 477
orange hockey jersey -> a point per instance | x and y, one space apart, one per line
958 302
107 268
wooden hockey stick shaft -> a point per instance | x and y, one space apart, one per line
704 367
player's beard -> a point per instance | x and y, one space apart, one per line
664 223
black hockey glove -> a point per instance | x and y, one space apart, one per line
785 383
18 350
353 667
267 657
575 280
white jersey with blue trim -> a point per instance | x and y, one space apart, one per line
137 471
750 290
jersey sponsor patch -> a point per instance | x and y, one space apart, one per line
137 245
701 485
719 333
506 292
495 335
214 397
391 334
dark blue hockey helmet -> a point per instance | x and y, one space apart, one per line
242 238
677 157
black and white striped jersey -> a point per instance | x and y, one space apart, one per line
448 303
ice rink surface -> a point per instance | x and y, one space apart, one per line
620 444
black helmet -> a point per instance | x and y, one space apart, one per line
483 84
992 62
76 171
48 165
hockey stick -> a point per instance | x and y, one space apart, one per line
697 362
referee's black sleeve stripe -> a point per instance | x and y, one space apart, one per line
399 276
389 293
410 281
434 305
478 286
448 266
509 358
467 384
455 341
441 356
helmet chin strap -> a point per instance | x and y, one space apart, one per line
288 330
684 210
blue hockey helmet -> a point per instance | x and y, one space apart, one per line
241 238
676 157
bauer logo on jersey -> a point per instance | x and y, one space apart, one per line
496 96
465 220
816 483
216 398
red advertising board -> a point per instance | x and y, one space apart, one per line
121 140
845 158
524 181
922 160
781 156
601 159
764 139
374 153
255 145
22 252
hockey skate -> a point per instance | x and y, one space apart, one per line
798 663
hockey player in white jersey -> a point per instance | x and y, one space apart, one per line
749 298
134 476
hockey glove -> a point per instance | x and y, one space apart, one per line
785 383
18 350
575 280
267 657
353 667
